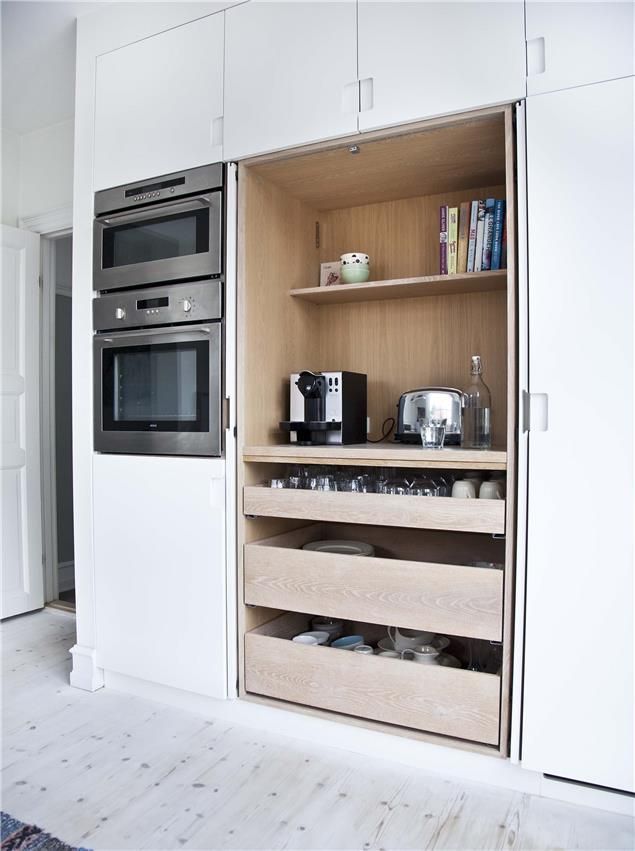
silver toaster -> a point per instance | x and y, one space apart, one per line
443 403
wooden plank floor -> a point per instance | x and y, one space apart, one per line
109 771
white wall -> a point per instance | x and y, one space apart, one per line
10 184
46 169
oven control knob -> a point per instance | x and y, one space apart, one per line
120 313
187 305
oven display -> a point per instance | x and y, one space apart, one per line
148 303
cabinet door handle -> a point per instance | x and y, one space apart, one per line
538 412
536 61
216 131
350 97
366 94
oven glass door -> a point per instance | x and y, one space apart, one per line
175 241
159 392
156 387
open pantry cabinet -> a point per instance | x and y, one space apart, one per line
407 327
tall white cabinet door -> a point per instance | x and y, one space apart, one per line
578 685
418 60
159 104
577 42
160 582
20 507
290 74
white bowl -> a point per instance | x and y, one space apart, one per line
354 258
316 636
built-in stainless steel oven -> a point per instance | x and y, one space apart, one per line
158 230
157 365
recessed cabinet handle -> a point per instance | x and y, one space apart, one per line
216 131
366 94
536 61
350 97
538 412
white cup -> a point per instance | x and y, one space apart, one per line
464 489
409 638
424 654
490 490
364 649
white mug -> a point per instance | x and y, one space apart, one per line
409 638
490 490
464 489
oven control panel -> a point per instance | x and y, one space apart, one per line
197 301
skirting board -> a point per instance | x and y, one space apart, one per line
65 575
434 759
85 674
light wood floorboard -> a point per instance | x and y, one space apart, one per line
111 771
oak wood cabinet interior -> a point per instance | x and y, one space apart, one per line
298 210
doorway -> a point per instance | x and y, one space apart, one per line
57 432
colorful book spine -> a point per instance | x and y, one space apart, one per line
471 239
488 234
497 242
443 240
464 232
453 237
480 233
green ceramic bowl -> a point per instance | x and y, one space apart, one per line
357 273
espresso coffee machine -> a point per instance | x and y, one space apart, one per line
327 407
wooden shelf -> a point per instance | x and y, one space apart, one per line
469 282
380 455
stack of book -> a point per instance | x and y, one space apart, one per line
472 237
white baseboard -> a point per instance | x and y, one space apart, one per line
85 674
65 575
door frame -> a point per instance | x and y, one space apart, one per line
50 226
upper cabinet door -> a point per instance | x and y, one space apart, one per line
421 59
159 104
577 43
578 704
290 74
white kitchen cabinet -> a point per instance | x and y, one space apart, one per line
160 581
159 104
577 43
418 60
290 74
578 706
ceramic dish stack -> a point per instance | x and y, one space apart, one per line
355 268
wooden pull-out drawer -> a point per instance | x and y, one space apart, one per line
447 701
417 512
445 598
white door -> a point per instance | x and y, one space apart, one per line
421 59
159 104
290 74
577 43
579 709
160 580
21 510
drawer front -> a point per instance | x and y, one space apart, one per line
447 701
417 512
444 598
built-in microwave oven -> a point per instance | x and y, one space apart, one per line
163 229
158 370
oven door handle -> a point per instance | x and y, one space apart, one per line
169 207
125 337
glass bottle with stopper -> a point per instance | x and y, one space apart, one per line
476 428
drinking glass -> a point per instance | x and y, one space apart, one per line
278 483
432 433
394 485
444 484
423 486
326 483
